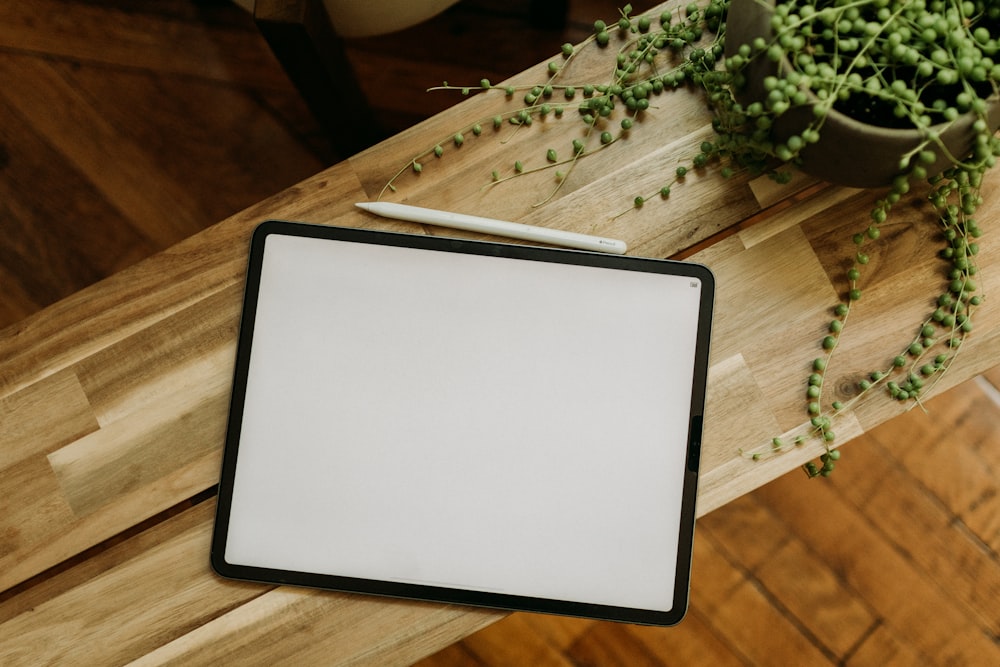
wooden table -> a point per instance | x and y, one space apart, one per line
113 402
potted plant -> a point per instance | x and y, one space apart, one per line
869 93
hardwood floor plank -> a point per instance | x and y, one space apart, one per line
920 526
60 234
693 642
396 80
713 578
513 641
983 519
812 592
757 629
612 646
213 142
165 37
954 450
103 165
398 87
882 648
800 583
558 631
456 655
916 611
746 527
800 588
992 376
16 303
736 612
121 170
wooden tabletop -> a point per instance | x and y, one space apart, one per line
113 402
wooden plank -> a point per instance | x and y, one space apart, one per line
792 203
912 607
47 253
745 529
109 619
120 170
800 583
32 512
882 648
68 416
863 348
17 303
944 522
613 646
41 530
149 37
517 44
693 642
125 456
180 399
741 359
290 626
963 416
222 147
739 314
514 642
755 628
193 351
892 310
139 297
185 614
455 655
599 192
992 376
93 563
225 277
558 631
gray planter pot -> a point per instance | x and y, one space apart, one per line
850 152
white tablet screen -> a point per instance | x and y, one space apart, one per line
445 419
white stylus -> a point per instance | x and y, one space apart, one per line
515 230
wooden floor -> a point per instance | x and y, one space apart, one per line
127 126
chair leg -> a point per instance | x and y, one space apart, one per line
548 13
302 38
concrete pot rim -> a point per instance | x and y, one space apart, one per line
850 151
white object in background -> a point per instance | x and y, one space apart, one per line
366 18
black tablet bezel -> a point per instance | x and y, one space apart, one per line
450 595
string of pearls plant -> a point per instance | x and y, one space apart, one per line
920 64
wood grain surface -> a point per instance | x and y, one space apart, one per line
114 399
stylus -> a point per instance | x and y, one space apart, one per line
515 230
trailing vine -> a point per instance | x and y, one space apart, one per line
647 63
922 64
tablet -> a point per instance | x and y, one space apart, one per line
466 422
